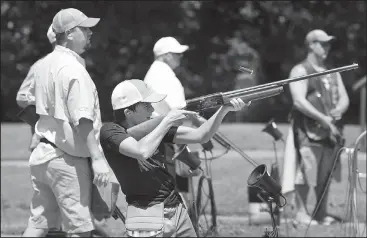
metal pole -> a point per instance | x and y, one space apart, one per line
362 113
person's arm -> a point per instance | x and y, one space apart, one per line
144 148
299 91
343 103
80 105
25 94
120 140
202 134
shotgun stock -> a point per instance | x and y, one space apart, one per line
118 214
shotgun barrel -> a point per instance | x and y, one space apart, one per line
295 79
253 93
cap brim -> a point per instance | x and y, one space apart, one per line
51 35
89 22
327 39
154 97
180 49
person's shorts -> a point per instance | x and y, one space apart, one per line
62 188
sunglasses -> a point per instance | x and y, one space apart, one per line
324 43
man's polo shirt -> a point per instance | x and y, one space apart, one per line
60 108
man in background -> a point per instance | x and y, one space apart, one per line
162 79
318 106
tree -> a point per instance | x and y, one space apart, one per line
266 36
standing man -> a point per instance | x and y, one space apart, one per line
26 93
162 79
69 157
154 206
161 76
318 105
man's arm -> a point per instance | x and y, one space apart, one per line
80 104
145 147
343 103
133 144
25 94
187 135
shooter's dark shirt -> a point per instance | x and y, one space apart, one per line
141 187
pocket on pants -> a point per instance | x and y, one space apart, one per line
145 222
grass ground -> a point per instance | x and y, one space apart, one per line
229 175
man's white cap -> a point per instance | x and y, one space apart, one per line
133 91
51 35
168 45
318 35
69 18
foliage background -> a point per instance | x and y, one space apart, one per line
266 36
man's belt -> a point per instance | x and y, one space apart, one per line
44 140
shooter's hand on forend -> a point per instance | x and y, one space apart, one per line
236 104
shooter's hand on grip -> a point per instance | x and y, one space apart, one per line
177 117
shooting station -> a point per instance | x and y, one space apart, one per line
183 119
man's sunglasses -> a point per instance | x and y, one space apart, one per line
324 43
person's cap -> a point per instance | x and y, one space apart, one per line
318 35
51 35
69 18
168 45
133 91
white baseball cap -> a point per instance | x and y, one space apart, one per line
51 35
69 18
168 45
133 91
318 35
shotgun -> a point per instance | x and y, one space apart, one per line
218 99
118 214
253 93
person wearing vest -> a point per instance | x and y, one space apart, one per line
318 106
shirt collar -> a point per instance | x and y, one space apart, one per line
164 65
73 53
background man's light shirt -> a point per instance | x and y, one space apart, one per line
161 79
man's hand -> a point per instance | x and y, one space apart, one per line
195 172
101 172
336 113
328 123
177 117
236 104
